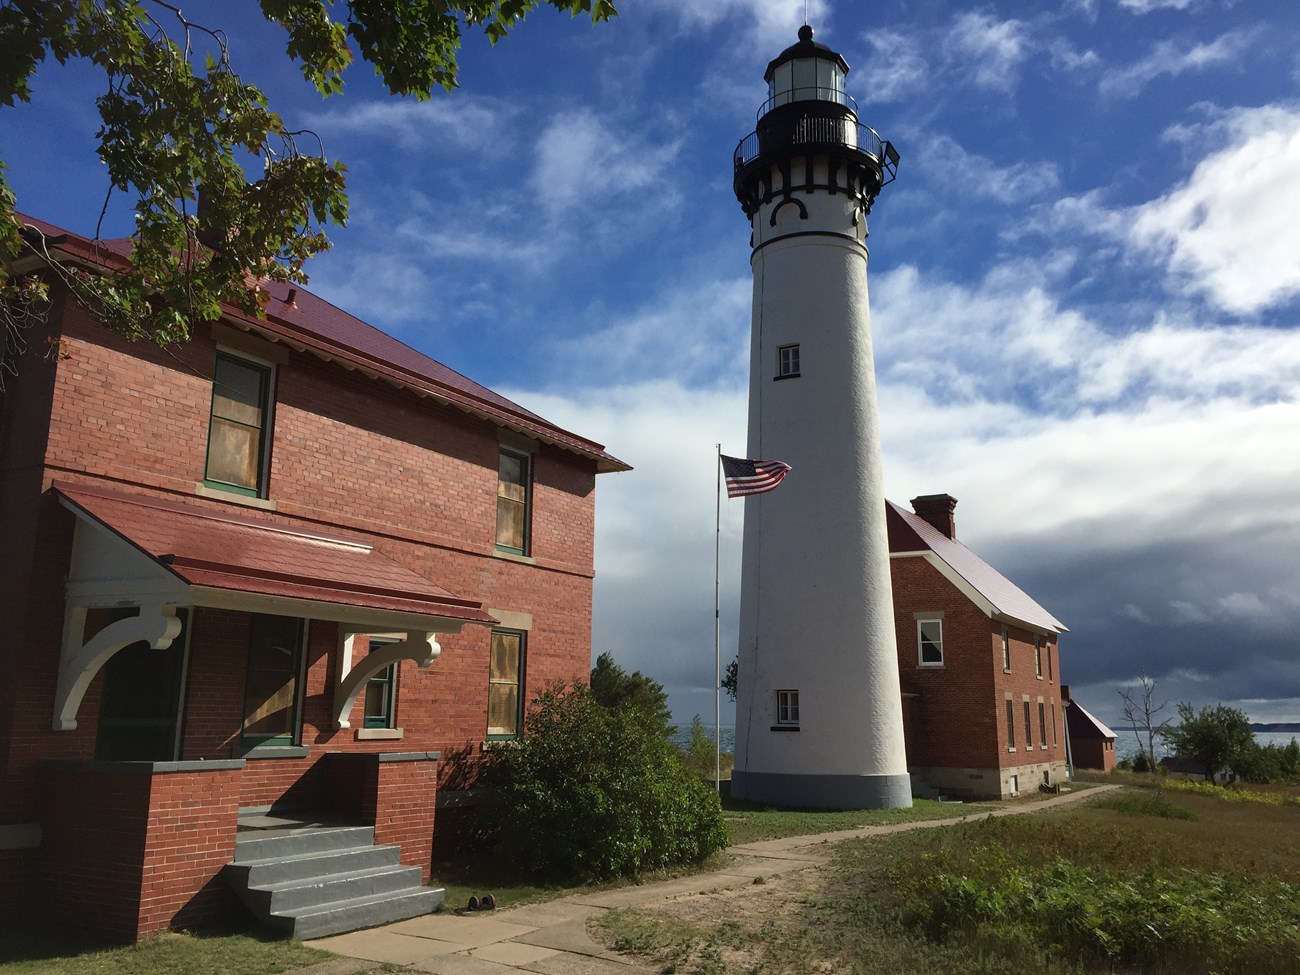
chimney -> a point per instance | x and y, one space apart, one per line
937 510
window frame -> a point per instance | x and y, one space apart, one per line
787 707
527 459
518 683
787 361
1006 649
1011 725
298 669
1050 675
1029 728
1042 725
387 678
266 406
1038 657
921 621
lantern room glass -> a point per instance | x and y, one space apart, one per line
806 79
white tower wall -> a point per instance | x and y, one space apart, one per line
816 603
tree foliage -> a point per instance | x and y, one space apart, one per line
643 696
176 117
1213 738
590 792
729 678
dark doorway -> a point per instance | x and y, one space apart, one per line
139 708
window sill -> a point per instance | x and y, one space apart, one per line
513 557
785 727
793 375
925 666
203 491
1006 670
379 734
254 752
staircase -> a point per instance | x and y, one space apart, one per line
311 880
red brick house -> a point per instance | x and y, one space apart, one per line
291 565
978 663
1092 743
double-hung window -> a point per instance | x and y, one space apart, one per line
239 429
1006 651
787 362
1029 730
506 684
514 497
929 637
1038 657
787 708
272 689
381 692
1011 726
1042 725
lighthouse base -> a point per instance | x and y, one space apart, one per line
796 791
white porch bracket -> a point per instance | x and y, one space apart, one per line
422 647
157 625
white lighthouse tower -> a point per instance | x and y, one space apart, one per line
819 718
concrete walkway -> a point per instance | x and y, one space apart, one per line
551 938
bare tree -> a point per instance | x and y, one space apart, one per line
1141 711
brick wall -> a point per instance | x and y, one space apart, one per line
955 714
395 791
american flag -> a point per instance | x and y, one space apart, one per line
746 477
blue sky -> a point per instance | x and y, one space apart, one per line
1085 292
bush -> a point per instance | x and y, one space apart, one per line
591 792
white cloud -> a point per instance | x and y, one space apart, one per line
1230 231
1169 58
898 68
989 50
1146 6
582 162
771 23
1011 183
452 121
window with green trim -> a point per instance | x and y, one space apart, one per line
506 684
381 692
239 426
514 498
272 697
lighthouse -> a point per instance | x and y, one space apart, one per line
819 718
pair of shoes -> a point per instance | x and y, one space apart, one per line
485 903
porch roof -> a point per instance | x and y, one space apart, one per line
217 552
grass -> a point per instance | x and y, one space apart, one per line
1144 881
748 822
28 953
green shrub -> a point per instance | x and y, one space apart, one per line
591 792
1147 805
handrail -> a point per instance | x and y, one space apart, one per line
868 141
819 93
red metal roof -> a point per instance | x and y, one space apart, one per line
217 550
316 324
908 532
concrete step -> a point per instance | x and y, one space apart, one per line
308 841
265 873
362 912
317 892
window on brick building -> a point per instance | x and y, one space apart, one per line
1006 650
787 707
239 426
506 684
1029 729
929 638
1042 725
381 692
1038 657
514 495
1054 738
787 362
1011 726
272 689
140 698
1049 662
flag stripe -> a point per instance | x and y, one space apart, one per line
746 477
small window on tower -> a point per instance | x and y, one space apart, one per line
787 708
787 362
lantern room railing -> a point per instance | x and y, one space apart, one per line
811 93
817 130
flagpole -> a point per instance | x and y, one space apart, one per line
717 632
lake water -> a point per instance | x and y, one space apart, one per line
1125 744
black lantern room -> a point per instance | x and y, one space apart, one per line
808 114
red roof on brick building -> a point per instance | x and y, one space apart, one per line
304 321
910 533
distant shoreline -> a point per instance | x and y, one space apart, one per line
1276 727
